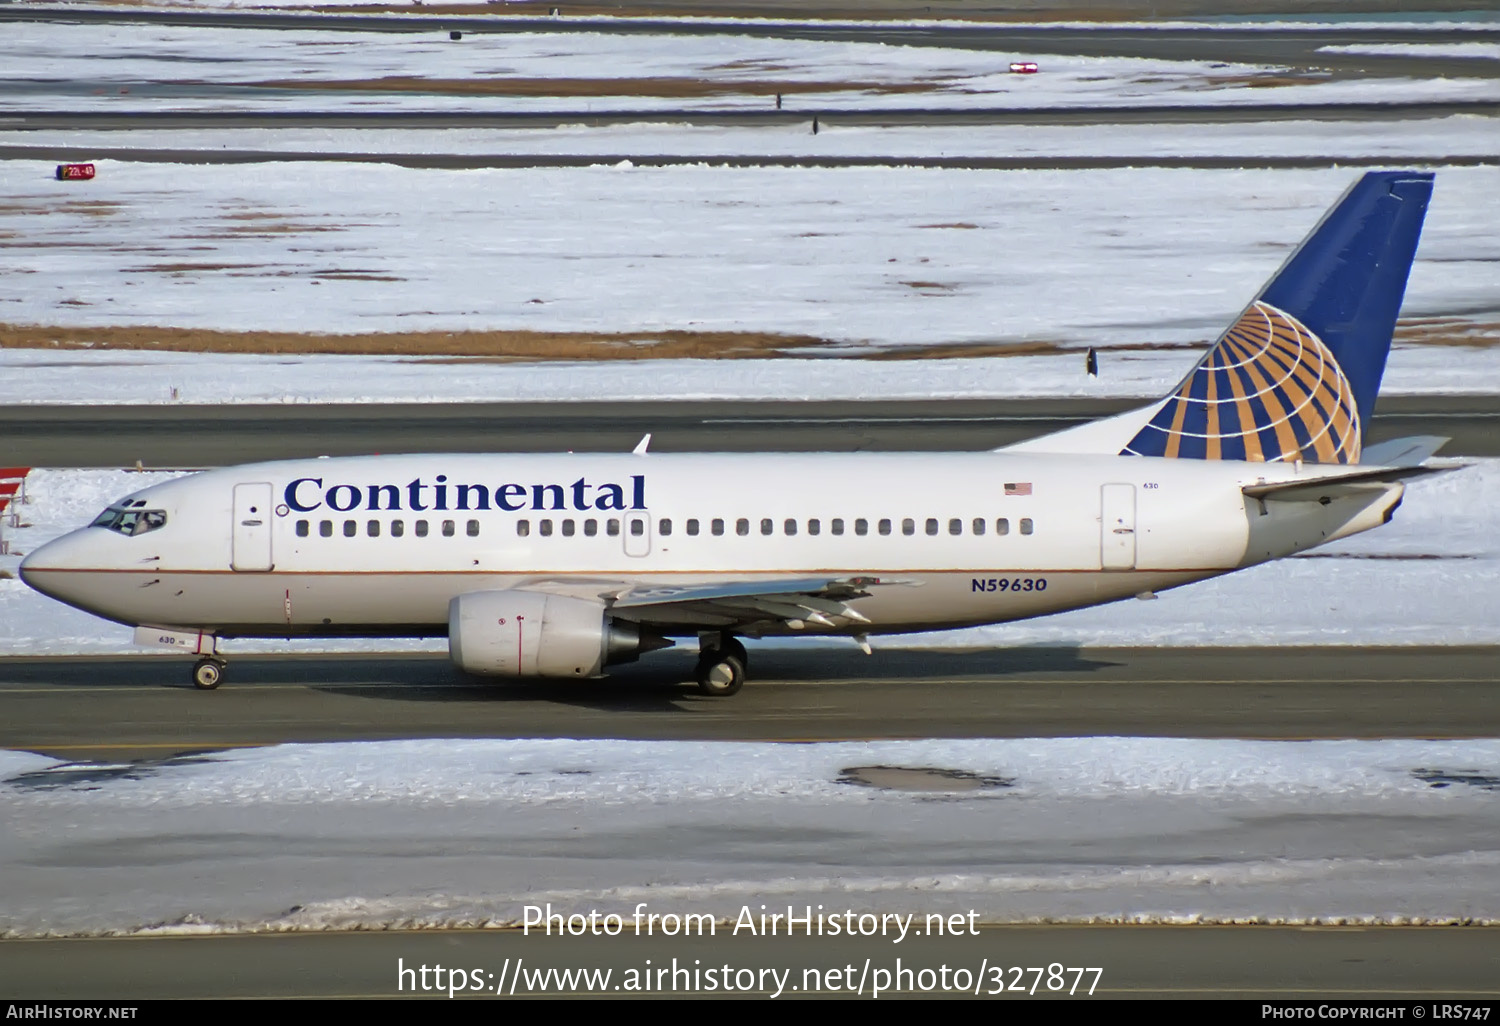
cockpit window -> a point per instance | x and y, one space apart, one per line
131 521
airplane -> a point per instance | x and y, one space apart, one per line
559 565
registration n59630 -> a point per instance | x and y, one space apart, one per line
1008 584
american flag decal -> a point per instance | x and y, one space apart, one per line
1018 488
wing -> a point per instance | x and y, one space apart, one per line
752 607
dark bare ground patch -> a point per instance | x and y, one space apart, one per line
662 87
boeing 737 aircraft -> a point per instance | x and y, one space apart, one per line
560 565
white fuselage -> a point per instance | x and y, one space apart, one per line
380 545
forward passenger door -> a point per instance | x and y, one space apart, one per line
252 527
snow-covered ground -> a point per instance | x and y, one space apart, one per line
45 66
1432 576
1487 51
865 256
467 832
43 376
1457 136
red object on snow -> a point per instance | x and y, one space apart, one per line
1023 68
13 473
74 172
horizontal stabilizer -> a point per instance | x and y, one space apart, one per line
1403 452
1337 486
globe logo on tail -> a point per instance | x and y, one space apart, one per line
1269 391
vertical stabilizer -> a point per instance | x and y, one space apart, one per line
1295 377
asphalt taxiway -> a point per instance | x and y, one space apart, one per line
144 707
220 435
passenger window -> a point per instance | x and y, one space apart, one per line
979 525
862 526
372 528
591 527
955 526
665 526
567 526
932 525
398 528
1025 525
612 527
836 526
742 527
1002 526
473 529
523 528
544 528
350 528
692 528
637 526
767 525
718 527
884 527
302 531
447 529
421 529
325 528
908 526
813 527
790 526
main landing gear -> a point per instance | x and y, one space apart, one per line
208 672
721 665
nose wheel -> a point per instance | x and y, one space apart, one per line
721 666
207 673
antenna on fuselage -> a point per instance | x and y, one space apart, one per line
641 446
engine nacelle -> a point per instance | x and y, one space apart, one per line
532 634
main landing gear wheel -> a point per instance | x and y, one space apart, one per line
730 645
207 673
720 674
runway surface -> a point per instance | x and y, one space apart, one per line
114 708
206 436
1288 963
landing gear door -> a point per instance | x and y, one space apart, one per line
637 530
1117 527
252 527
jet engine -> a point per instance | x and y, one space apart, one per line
532 634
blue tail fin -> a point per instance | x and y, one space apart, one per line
1295 378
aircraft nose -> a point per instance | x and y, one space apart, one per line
39 568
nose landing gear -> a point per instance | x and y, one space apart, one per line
721 665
